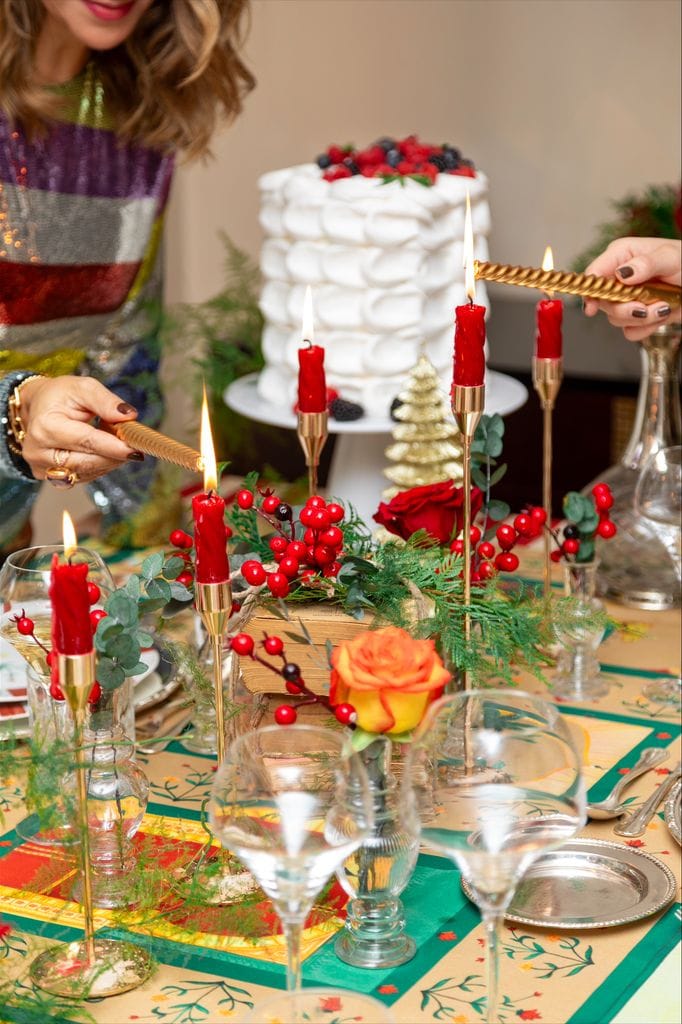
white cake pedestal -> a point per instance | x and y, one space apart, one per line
356 472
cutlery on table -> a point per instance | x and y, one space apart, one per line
167 722
612 807
635 824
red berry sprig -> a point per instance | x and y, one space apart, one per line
578 534
26 627
286 714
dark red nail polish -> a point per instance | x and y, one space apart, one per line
625 271
641 314
135 456
126 409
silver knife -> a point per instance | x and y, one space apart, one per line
635 824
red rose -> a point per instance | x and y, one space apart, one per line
436 508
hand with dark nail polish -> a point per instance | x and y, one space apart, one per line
625 272
641 314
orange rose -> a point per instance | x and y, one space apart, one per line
389 677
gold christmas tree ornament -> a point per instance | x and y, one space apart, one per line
427 447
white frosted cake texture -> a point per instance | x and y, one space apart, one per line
384 261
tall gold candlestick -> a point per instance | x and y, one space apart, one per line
589 286
312 433
90 968
547 377
467 407
151 442
214 604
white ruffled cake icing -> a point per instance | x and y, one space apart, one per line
385 265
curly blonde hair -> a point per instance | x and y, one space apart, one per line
168 85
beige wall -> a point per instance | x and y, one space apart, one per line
565 104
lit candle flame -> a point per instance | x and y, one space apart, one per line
207 450
548 264
69 535
468 254
308 330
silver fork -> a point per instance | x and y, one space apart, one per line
635 824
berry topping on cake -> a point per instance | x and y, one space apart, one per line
343 411
394 159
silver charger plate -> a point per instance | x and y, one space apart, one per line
673 812
590 883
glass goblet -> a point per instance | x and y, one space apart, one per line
320 1006
24 589
658 500
506 786
280 802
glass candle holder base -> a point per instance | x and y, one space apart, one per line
374 935
67 971
579 677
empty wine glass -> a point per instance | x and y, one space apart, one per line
280 803
506 786
24 590
658 499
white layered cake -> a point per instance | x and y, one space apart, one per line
382 252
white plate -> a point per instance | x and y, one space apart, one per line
151 658
13 673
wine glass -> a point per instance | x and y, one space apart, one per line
281 803
506 786
658 499
320 1006
24 590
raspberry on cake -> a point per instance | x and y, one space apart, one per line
377 232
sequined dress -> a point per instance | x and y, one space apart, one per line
81 216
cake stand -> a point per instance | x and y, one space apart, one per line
356 471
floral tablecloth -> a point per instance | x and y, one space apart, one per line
215 966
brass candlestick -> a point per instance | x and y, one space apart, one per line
214 604
589 286
89 968
312 433
467 407
151 442
547 377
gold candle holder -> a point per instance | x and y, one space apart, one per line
214 604
547 377
467 407
589 286
312 433
91 967
151 442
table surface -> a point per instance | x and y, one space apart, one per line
209 971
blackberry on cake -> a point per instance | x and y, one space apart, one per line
345 412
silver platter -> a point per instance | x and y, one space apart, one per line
673 812
590 883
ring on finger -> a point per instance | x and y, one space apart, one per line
60 457
60 475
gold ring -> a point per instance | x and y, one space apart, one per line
60 456
61 476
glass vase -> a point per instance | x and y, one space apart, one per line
374 932
117 799
579 628
636 568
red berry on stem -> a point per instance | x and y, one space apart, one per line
289 566
607 529
25 626
345 713
486 549
601 488
506 536
603 501
56 691
180 539
538 515
507 562
242 644
245 499
228 531
315 501
296 549
278 544
323 554
186 578
320 519
524 524
278 584
285 715
486 570
571 546
555 555
94 593
474 534
253 572
457 546
308 575
306 516
270 503
332 536
273 645
96 616
336 512
95 693
332 569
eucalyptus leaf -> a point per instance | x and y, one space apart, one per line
138 669
173 567
159 590
132 587
479 477
123 647
179 591
586 552
122 608
144 639
576 506
498 510
493 445
498 474
152 566
109 675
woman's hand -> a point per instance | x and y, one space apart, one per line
634 261
56 414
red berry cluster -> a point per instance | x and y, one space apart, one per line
394 158
302 560
573 537
245 646
26 627
486 561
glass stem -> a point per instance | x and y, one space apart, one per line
492 920
292 934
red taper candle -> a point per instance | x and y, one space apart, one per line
548 339
469 345
71 626
210 539
312 386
